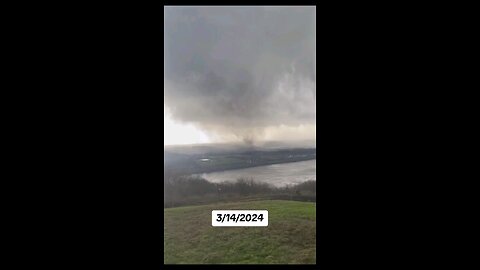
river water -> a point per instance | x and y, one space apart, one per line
276 174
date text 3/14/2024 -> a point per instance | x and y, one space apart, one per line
239 218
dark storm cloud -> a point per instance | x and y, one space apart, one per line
240 69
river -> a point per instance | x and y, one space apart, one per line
276 174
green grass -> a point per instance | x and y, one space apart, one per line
189 237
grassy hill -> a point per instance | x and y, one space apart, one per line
290 237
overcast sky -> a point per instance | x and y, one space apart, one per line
241 73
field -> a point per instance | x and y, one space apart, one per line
290 238
191 163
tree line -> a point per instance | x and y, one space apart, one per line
189 190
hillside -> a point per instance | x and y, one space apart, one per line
290 237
